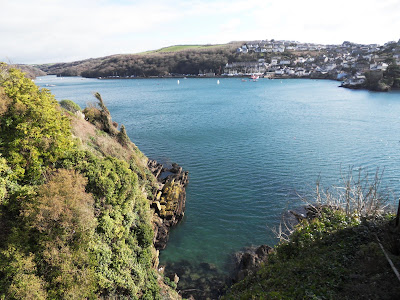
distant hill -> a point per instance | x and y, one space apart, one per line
31 71
177 48
179 59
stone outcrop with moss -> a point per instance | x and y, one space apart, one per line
169 199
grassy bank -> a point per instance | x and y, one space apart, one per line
335 254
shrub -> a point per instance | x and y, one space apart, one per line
62 214
19 279
33 132
122 137
124 232
73 225
70 106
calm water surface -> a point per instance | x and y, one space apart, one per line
249 147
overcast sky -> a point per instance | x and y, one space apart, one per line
43 31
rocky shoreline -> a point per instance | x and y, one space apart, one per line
249 260
202 280
168 200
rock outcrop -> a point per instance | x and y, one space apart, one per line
168 200
249 260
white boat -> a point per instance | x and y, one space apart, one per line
178 81
218 81
254 77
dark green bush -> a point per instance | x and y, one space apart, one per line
70 106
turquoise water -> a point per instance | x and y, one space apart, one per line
250 147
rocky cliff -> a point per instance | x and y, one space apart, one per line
168 200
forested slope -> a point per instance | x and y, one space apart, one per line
185 61
75 221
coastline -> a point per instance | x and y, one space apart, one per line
248 77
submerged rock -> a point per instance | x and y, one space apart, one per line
197 280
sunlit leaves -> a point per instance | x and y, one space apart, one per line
33 131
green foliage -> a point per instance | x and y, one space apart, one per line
73 225
180 59
170 282
317 261
125 235
92 114
33 132
316 230
70 105
144 234
122 137
19 279
384 81
5 181
186 47
63 219
392 75
101 118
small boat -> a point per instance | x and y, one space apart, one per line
218 81
254 77
178 81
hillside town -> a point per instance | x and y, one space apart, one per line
347 62
357 66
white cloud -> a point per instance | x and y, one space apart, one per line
55 29
60 30
330 22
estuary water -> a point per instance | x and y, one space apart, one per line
250 147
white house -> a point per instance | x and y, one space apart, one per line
382 66
301 60
290 71
274 61
330 67
284 62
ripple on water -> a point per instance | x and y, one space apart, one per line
250 148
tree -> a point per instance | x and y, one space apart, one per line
62 217
101 118
122 136
33 132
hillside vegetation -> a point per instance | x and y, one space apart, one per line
335 252
170 60
74 218
183 47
